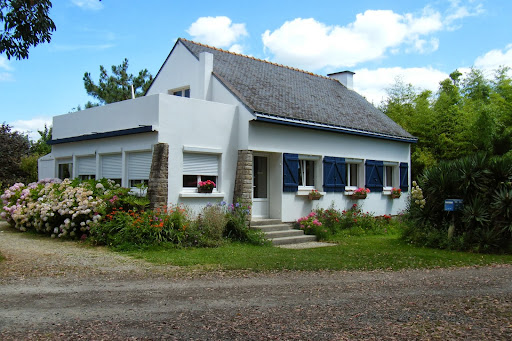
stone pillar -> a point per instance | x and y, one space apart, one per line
159 177
243 179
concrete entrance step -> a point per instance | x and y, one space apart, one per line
280 233
293 240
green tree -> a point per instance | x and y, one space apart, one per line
13 147
25 23
118 86
41 146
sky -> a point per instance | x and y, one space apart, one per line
420 42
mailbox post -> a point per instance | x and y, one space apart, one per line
452 205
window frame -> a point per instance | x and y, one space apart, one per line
317 174
68 161
199 177
102 157
128 158
303 173
395 180
348 176
184 91
86 176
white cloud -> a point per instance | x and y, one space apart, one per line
373 83
217 31
495 58
236 48
88 4
5 70
457 12
310 44
30 127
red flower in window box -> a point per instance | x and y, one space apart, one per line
360 193
205 186
396 193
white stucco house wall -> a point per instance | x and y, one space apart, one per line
260 131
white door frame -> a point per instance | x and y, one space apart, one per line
261 206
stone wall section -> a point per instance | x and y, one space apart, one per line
159 177
243 180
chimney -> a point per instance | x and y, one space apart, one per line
344 77
204 75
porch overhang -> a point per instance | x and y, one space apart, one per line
101 135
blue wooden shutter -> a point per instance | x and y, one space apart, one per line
334 174
374 175
290 172
404 176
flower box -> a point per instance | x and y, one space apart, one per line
360 193
205 186
396 193
204 189
314 195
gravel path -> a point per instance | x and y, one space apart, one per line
54 290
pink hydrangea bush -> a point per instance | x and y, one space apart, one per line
58 208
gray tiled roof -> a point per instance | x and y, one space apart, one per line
294 94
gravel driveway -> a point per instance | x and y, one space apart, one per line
55 290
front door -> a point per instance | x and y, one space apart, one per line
260 204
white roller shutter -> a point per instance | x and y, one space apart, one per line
87 165
139 165
200 164
111 166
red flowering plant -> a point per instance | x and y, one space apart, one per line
311 225
205 186
396 192
360 193
314 194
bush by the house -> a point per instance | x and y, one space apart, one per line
214 224
325 223
485 222
58 208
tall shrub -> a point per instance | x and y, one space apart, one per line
484 224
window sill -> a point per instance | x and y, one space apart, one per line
202 195
305 193
386 191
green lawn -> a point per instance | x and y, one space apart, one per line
352 253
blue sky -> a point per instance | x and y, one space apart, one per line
419 41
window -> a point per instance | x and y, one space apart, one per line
390 175
86 167
65 169
352 175
111 167
138 167
199 167
185 92
306 173
134 183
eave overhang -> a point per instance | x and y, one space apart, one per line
327 127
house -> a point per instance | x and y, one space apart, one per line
264 133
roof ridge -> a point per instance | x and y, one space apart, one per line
258 59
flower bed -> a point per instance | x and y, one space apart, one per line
328 222
107 214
